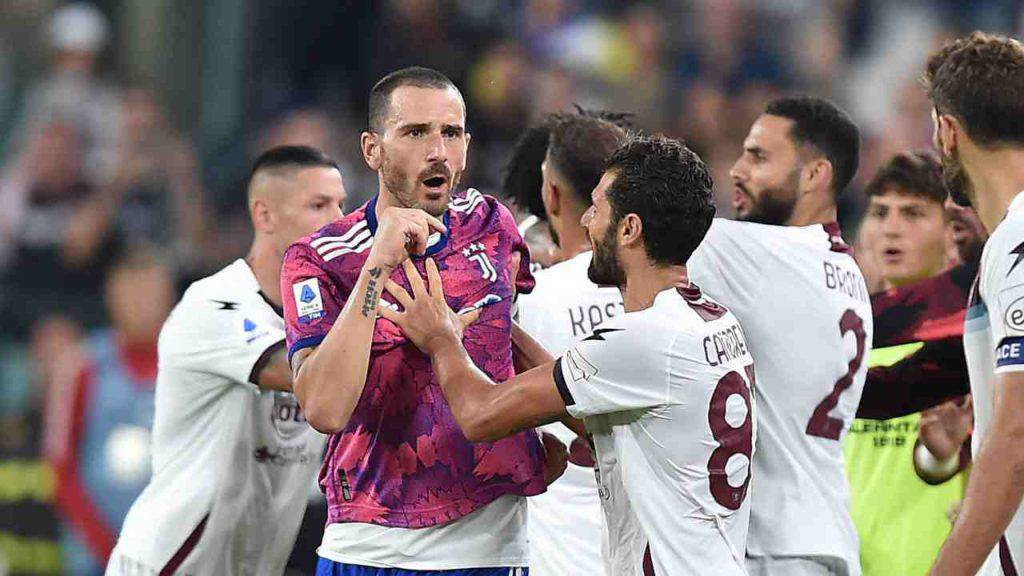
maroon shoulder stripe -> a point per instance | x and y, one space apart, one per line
186 548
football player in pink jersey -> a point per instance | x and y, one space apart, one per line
407 493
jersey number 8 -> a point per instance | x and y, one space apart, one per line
732 440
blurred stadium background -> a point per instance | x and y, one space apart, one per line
127 128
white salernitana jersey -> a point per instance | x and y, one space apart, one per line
806 312
564 307
665 394
232 465
993 345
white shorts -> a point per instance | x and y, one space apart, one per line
796 566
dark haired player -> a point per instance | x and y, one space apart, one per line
664 388
975 84
788 276
406 491
564 307
232 453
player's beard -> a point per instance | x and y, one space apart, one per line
403 189
774 205
605 268
958 184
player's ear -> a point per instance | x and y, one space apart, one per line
370 144
262 218
551 197
817 174
948 130
631 230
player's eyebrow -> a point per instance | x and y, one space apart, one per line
425 126
754 149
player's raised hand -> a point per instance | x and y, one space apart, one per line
401 232
426 318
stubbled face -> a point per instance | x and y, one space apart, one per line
422 152
306 201
910 236
766 177
605 266
966 231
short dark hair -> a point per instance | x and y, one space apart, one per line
522 181
669 187
418 76
292 157
979 79
579 146
912 173
827 128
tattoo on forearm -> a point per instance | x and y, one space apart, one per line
371 296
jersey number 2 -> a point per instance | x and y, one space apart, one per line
731 439
821 424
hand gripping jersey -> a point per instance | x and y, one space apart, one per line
564 308
666 395
232 465
994 344
804 306
402 461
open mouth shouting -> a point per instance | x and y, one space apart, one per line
436 183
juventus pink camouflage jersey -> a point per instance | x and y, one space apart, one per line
402 461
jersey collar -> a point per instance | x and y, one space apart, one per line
435 243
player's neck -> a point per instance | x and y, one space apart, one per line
813 211
265 263
645 283
997 177
572 240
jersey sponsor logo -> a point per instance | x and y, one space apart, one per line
286 416
1014 316
578 368
600 332
1010 351
485 301
1019 253
225 305
477 252
309 306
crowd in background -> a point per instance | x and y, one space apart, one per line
111 201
